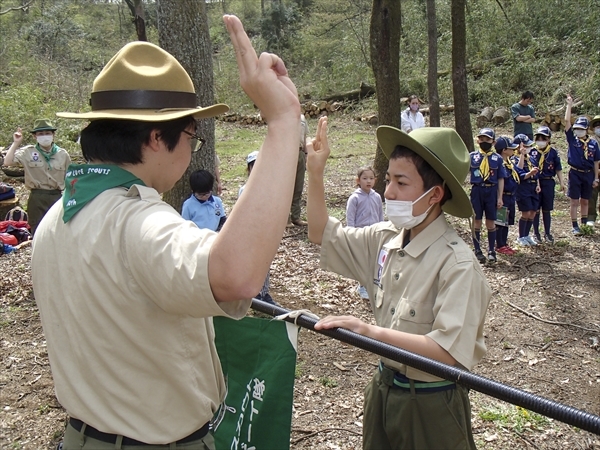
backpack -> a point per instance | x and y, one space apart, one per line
16 215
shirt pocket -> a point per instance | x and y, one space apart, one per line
35 164
414 317
58 166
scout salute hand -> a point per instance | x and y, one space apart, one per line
18 136
265 78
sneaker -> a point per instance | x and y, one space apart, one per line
362 291
479 256
538 239
510 251
491 257
590 223
522 242
299 222
549 238
502 250
576 231
531 241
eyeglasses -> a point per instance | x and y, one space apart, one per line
196 142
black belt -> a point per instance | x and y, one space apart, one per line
580 170
112 438
508 193
531 181
484 184
547 178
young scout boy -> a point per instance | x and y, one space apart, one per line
428 294
550 167
487 185
125 286
593 203
583 156
528 190
506 148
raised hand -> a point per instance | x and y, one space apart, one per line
318 148
18 136
265 78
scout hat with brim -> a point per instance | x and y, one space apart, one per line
143 82
43 125
444 151
595 121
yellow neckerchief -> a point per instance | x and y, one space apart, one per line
510 166
526 158
484 167
584 143
543 157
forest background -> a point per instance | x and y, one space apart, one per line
51 50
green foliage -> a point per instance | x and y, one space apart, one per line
279 26
515 417
50 55
328 382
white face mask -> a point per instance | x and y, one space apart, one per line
45 140
541 144
400 212
597 131
579 132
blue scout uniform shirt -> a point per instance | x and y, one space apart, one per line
510 184
575 153
496 164
522 172
530 161
204 214
551 161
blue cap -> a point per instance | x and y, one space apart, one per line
581 122
503 143
523 139
544 131
488 132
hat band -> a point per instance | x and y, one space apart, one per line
142 99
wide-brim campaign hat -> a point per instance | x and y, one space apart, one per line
143 82
43 125
595 121
444 151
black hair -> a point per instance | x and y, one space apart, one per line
120 141
429 176
526 95
201 181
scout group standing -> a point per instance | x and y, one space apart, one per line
521 173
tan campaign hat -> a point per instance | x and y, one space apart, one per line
143 82
444 151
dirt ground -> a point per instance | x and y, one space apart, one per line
542 332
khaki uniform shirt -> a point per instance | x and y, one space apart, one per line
127 308
433 286
40 174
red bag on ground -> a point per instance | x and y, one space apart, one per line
9 239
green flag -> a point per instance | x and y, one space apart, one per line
258 357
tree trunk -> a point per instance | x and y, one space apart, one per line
485 116
136 7
462 120
385 60
183 32
501 115
432 86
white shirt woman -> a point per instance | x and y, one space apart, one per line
411 118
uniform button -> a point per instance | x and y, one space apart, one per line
453 243
401 253
412 313
393 311
397 277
